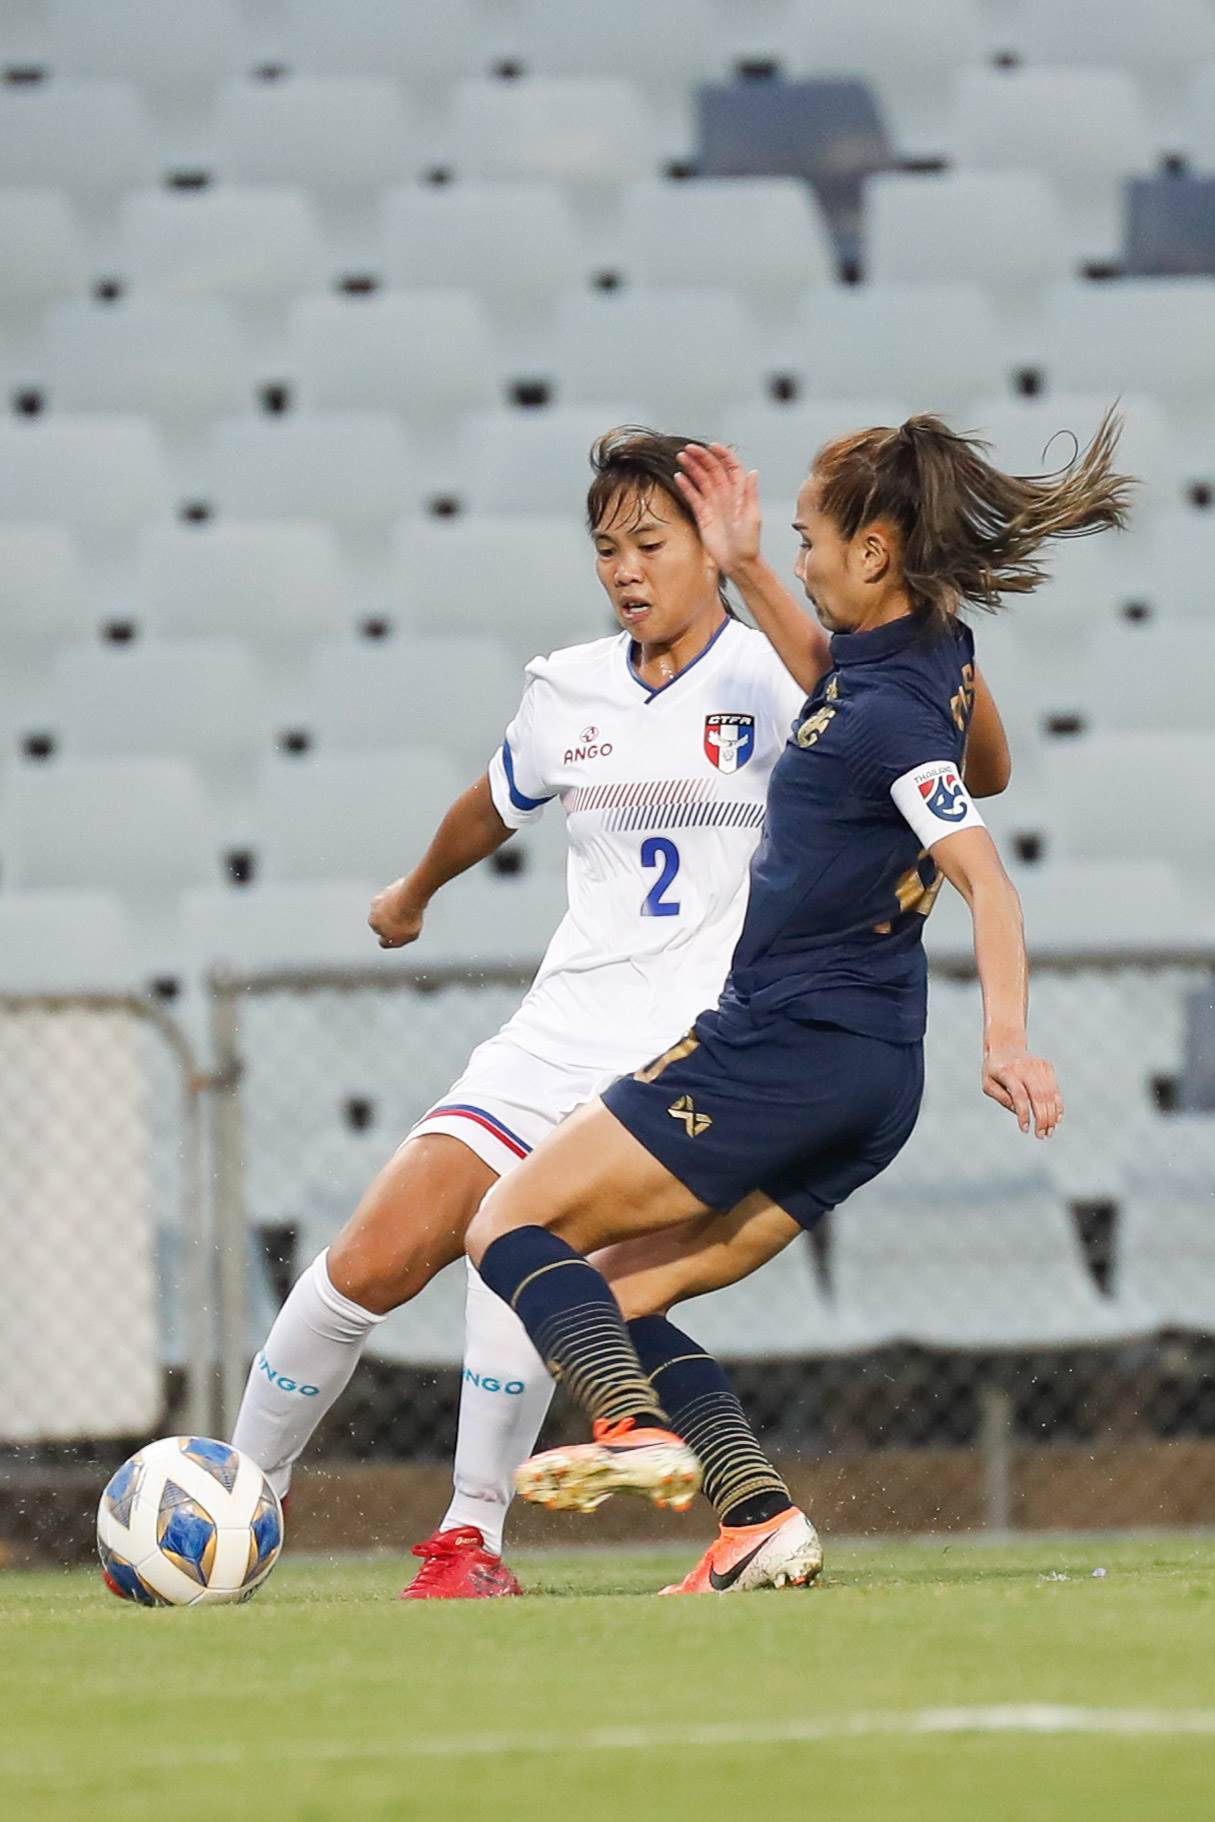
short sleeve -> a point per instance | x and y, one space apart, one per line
517 779
907 754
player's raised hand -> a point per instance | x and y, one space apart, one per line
1027 1086
396 916
724 497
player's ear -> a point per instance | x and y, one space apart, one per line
877 552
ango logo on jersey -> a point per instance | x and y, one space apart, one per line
944 795
589 747
729 741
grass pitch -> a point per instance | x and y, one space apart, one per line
955 1681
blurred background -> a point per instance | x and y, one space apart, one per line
309 312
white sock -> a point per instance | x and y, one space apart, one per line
307 1361
503 1400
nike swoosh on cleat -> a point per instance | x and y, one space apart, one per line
722 1582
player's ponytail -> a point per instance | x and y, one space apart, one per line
969 533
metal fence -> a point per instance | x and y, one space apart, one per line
104 1232
988 1292
1030 1308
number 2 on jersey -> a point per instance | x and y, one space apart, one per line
657 851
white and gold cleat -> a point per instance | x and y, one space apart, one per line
622 1459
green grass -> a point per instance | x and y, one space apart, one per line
326 1699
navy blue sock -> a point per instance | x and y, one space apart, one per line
741 1482
574 1322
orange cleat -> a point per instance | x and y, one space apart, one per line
783 1552
622 1459
456 1566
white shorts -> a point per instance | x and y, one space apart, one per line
507 1100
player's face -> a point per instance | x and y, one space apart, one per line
845 579
823 563
653 567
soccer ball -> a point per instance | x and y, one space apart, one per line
188 1522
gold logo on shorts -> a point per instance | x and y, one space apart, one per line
685 1109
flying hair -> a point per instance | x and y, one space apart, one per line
968 533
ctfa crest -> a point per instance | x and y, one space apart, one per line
729 741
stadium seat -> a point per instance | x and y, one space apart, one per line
421 47
427 354
512 242
42 250
1163 681
1085 908
67 941
1084 129
675 234
196 699
1183 561
166 45
1166 1234
689 351
782 441
293 924
1197 118
581 131
778 1311
537 462
350 816
246 244
178 360
104 474
829 133
681 49
1146 335
1170 227
91 138
44 596
485 920
527 582
351 467
905 53
1147 794
134 826
991 1263
1038 435
1001 229
275 586
450 694
1157 46
934 345
332 134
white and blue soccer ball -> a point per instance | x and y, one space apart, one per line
188 1522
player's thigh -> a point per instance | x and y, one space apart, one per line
410 1223
591 1182
650 1274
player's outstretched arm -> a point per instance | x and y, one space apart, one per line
471 830
1025 1084
724 497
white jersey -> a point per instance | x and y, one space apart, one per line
663 792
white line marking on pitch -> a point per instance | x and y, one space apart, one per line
1021 1718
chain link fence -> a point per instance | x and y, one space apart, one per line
103 1229
989 1294
996 1331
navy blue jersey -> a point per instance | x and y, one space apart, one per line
841 884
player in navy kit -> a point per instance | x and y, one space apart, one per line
805 1080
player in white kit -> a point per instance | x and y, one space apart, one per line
657 743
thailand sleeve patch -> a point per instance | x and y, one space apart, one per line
933 799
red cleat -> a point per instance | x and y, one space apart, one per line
456 1566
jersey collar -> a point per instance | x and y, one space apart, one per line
864 648
679 676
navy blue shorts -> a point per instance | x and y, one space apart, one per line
805 1112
